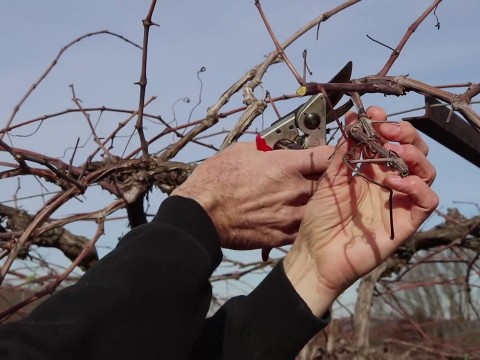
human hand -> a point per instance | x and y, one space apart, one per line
345 232
256 199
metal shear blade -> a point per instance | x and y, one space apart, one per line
305 127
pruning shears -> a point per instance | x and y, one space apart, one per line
305 127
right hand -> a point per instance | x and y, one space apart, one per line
256 199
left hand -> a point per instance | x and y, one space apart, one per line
256 199
345 232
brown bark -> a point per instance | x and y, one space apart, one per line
70 244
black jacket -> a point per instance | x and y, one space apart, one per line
149 297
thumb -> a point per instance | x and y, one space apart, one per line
308 161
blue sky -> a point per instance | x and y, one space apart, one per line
227 38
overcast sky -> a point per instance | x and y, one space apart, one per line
227 38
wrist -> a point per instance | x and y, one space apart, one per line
302 273
210 206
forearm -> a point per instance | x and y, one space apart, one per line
272 322
147 298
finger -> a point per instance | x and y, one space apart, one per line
416 161
306 161
376 113
350 117
403 133
373 112
423 199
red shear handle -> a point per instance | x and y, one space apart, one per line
262 144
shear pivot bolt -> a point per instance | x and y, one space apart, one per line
312 121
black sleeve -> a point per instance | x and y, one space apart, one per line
272 322
147 299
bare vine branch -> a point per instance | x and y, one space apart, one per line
147 23
396 53
51 66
